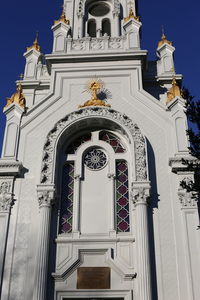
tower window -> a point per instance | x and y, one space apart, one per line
106 27
99 9
92 28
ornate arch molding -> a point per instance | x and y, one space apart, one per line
50 147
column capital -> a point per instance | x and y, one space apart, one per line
6 197
140 192
45 195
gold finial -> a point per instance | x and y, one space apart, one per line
163 39
131 16
93 87
35 45
62 17
174 91
17 97
21 76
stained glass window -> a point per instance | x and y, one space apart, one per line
76 143
112 140
95 159
66 209
122 197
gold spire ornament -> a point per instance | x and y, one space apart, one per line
62 18
163 40
131 16
94 87
35 45
17 97
174 91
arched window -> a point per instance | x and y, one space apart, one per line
106 28
95 156
92 28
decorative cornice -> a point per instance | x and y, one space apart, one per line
10 167
188 199
177 165
49 153
6 197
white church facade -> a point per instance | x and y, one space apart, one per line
91 205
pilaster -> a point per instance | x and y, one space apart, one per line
45 200
8 171
140 196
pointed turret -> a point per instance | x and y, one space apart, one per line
165 63
132 26
61 29
33 56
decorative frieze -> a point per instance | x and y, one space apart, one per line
88 44
5 196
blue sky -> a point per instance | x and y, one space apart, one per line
21 19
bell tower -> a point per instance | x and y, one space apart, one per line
91 201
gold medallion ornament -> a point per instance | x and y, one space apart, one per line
35 45
174 91
17 97
95 88
62 18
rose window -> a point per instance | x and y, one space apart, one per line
95 159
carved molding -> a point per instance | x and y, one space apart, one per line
6 196
176 162
187 199
10 167
49 152
116 10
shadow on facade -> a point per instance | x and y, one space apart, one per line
152 206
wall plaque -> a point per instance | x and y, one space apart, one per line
93 278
